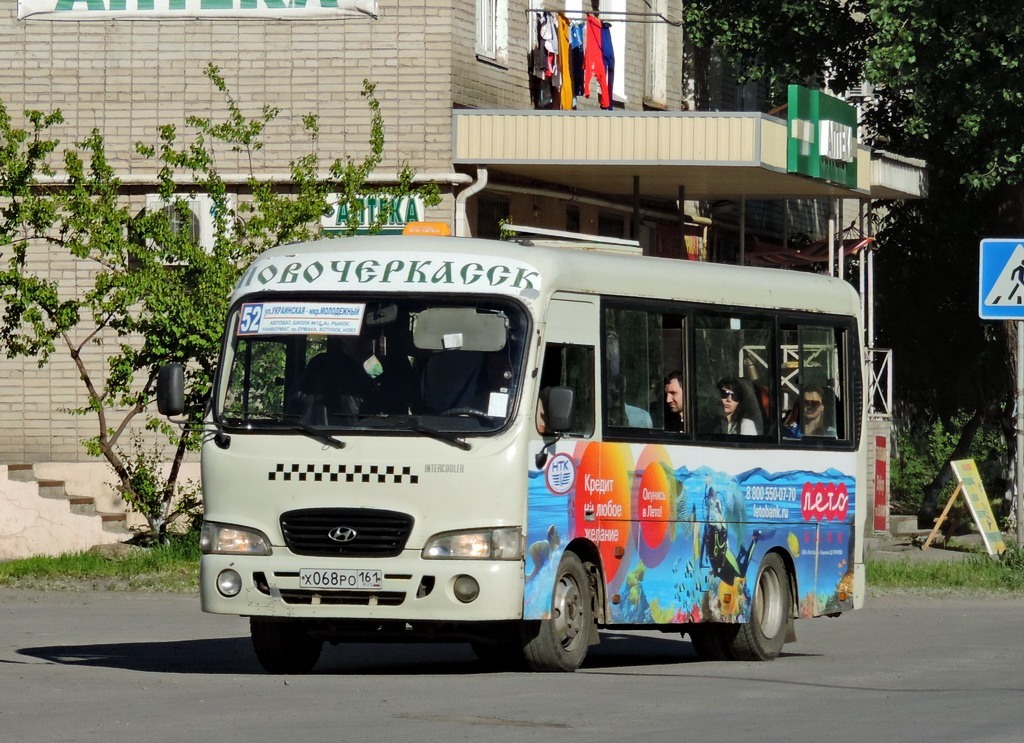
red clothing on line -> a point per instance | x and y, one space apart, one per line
593 62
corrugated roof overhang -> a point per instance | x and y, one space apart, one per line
711 155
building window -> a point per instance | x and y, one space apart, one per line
572 218
611 225
492 30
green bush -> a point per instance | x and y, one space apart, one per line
923 449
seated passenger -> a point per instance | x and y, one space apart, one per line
675 402
814 416
736 421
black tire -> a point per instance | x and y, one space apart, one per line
763 636
713 641
283 646
560 643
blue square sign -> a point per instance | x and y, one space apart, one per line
1001 280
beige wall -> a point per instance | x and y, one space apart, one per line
128 77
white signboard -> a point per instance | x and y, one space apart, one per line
104 10
380 270
300 318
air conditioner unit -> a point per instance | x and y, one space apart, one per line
202 225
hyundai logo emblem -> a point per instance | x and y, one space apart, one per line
342 534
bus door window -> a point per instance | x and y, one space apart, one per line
734 375
633 371
812 382
569 365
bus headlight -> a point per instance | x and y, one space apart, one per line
221 539
505 543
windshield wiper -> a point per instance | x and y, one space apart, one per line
314 433
413 423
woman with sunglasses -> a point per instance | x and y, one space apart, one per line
732 405
813 418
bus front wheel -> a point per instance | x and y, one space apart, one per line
560 643
283 647
762 637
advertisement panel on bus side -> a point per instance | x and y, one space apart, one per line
681 545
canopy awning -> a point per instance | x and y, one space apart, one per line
706 155
767 253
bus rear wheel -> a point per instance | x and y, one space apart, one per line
764 634
282 646
560 643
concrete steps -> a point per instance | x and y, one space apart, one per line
900 526
80 505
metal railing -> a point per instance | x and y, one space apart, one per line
879 374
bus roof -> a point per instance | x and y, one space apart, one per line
415 263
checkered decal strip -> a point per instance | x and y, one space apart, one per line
355 473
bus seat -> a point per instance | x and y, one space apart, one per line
752 407
452 379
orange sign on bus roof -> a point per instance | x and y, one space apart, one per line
438 229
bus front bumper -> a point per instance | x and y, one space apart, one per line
411 588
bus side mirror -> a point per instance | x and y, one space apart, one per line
170 389
560 409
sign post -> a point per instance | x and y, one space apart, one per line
971 487
1001 297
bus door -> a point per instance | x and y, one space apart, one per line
567 359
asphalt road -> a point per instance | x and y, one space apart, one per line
98 666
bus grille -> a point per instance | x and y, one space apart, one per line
370 532
344 598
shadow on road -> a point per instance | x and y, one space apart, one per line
223 656
234 656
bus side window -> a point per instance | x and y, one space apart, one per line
734 374
632 372
812 383
568 365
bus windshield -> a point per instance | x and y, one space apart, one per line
437 365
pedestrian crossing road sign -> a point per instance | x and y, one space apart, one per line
1001 280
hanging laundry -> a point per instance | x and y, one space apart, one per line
539 55
549 36
565 85
608 57
593 62
576 33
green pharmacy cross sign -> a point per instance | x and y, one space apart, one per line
822 139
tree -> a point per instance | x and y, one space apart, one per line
795 41
948 91
156 294
953 93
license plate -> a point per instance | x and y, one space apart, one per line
341 580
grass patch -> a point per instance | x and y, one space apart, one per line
974 573
171 567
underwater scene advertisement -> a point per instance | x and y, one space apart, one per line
682 545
